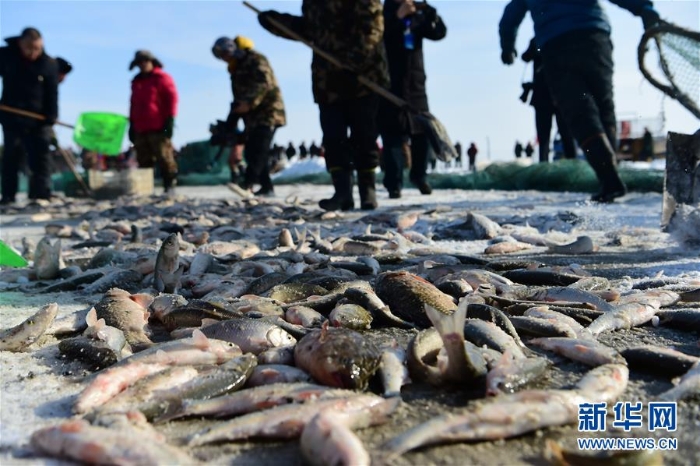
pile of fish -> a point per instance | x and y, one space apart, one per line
217 310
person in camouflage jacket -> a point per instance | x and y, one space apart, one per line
257 100
352 31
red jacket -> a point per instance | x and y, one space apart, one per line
153 101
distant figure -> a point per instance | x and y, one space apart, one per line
647 146
303 151
529 150
545 107
471 153
30 83
314 150
581 87
458 149
518 150
291 151
152 116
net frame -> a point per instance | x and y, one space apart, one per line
672 90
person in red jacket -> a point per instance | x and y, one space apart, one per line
152 116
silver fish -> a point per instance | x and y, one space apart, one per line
587 351
582 245
166 277
47 259
625 316
21 336
392 369
251 335
276 373
688 386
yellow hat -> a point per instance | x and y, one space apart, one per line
243 43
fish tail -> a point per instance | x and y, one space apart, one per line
447 324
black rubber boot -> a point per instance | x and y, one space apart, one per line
169 183
342 199
601 157
366 180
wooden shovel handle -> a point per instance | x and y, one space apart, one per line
36 116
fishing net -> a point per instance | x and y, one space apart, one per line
669 57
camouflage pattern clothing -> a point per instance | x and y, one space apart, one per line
254 82
155 147
352 31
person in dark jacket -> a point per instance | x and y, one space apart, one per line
152 116
30 83
314 150
291 151
257 100
303 151
352 32
406 25
518 150
458 151
545 108
582 88
471 153
529 150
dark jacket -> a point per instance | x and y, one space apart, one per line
349 30
406 67
553 18
31 86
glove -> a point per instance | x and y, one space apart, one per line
168 128
508 57
232 120
650 17
294 23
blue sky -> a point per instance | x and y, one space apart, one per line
470 91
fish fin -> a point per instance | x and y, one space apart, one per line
581 348
199 339
447 324
100 324
207 322
142 299
91 317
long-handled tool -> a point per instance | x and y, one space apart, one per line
437 133
67 157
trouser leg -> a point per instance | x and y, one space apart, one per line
36 142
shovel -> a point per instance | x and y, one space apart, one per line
437 134
66 156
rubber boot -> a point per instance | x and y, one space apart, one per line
366 180
601 157
169 183
342 199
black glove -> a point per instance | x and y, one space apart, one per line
508 57
650 17
294 23
168 128
232 120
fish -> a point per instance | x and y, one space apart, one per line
166 277
544 312
509 373
511 415
71 323
279 355
128 313
369 300
506 247
28 332
406 294
494 315
541 277
282 422
459 367
625 316
284 239
48 259
684 319
206 383
200 264
338 357
252 399
392 369
582 245
482 333
328 437
569 295
351 316
587 351
482 226
657 359
276 373
541 327
123 279
292 292
77 440
164 303
251 335
687 387
304 316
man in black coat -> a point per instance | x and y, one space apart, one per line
30 83
406 24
